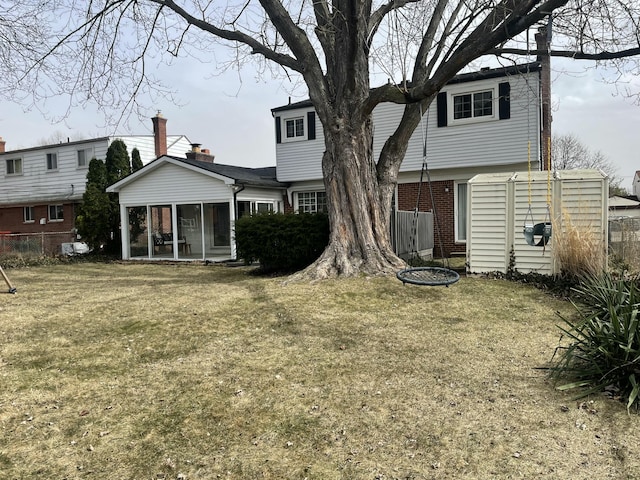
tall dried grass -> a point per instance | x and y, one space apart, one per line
579 246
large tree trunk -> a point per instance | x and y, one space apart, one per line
359 206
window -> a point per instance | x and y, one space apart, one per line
29 214
52 161
472 105
312 202
14 166
56 213
461 212
294 128
84 156
264 207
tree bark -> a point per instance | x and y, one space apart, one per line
358 206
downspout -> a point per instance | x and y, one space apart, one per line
236 190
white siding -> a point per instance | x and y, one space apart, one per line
301 159
177 146
578 195
173 184
37 183
487 226
495 142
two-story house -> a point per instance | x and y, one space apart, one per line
482 122
41 187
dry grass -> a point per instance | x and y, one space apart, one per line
579 248
133 371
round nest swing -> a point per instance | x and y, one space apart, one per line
428 276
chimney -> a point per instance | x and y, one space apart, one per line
200 154
543 43
2 144
160 134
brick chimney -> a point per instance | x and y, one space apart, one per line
2 144
543 43
200 154
160 134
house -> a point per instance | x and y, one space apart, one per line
481 123
185 208
41 187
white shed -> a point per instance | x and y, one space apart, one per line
498 206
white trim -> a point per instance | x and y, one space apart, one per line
456 211
46 161
150 167
456 92
295 138
6 164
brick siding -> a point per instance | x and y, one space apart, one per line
443 194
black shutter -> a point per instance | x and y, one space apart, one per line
504 100
311 125
278 132
441 108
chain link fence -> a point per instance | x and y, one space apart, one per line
624 242
34 244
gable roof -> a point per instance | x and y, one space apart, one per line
264 177
259 177
484 74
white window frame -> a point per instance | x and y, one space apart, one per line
295 137
59 208
88 155
29 214
460 91
313 207
456 210
13 163
48 157
271 208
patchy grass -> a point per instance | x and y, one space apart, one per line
156 371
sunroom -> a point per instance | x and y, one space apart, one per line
183 209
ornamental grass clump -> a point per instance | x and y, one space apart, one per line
579 248
603 353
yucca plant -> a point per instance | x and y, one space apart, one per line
603 349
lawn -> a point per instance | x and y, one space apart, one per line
132 371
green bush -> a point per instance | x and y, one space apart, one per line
282 242
603 350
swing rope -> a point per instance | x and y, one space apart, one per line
426 275
536 234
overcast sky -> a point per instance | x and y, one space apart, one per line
232 118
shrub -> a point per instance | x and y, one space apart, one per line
282 242
603 353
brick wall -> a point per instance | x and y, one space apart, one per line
12 219
443 196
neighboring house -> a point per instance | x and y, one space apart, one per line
483 122
635 189
41 187
185 209
626 206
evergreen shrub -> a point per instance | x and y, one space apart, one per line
602 348
282 241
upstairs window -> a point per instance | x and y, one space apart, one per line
460 107
52 161
472 105
84 156
312 202
294 128
14 166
